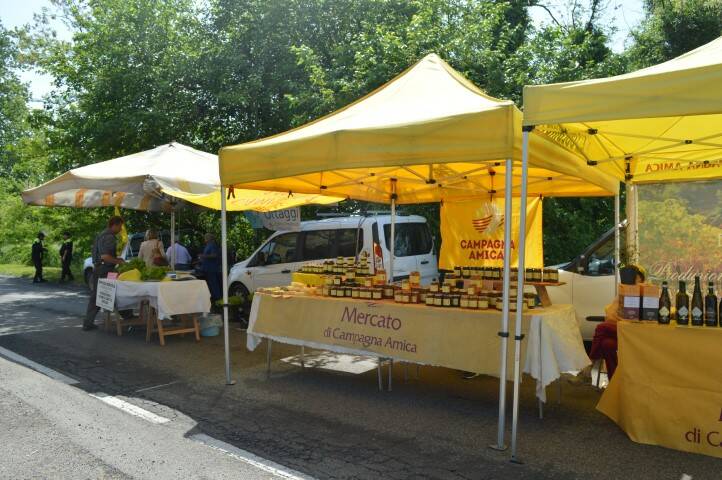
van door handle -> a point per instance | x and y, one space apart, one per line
424 262
285 271
596 318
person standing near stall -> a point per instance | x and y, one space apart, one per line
38 254
211 266
66 256
104 262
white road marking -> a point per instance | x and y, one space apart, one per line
131 409
48 372
157 386
249 458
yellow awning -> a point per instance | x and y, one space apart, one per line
429 129
149 180
662 123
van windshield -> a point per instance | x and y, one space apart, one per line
411 239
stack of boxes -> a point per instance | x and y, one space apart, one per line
639 302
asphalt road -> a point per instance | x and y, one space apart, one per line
320 423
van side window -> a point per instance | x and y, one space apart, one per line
281 249
347 242
318 244
411 239
601 260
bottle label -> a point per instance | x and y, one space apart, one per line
683 312
664 311
696 312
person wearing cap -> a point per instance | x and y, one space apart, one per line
104 262
66 256
38 254
604 343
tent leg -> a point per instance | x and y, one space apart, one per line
224 265
617 245
392 247
391 373
172 236
520 291
504 332
268 358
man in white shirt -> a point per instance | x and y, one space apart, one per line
182 257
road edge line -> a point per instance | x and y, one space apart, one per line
48 372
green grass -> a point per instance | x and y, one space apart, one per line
51 274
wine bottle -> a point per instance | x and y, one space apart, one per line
697 308
710 307
665 305
682 304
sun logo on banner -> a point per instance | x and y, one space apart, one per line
487 219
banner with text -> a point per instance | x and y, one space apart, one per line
464 340
680 231
472 234
288 219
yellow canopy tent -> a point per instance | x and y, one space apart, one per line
427 135
431 129
657 124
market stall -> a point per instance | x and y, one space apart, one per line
158 180
186 298
428 135
465 340
655 125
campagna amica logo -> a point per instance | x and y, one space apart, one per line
487 219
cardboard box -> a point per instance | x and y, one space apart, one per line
650 302
629 290
649 290
630 301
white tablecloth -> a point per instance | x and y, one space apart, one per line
168 298
555 346
553 343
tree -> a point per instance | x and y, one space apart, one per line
673 27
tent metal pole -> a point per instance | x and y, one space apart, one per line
617 245
632 236
172 236
392 247
224 279
504 332
520 290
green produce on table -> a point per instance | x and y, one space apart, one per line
136 264
153 273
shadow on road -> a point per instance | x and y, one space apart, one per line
330 424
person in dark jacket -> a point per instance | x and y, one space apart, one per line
66 256
104 262
37 254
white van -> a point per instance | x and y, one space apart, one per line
319 240
589 282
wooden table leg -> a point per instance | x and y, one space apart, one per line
541 291
196 328
161 335
148 325
118 324
106 321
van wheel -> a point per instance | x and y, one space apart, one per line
240 290
88 276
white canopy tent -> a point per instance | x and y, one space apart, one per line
157 180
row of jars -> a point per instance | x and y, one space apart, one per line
481 300
548 275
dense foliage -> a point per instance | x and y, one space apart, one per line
139 73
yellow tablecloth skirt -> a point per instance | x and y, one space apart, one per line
667 389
